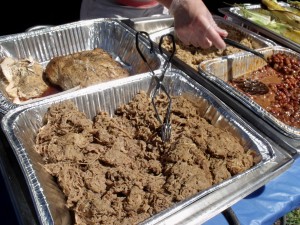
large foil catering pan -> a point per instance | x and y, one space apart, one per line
221 70
256 40
235 14
42 45
21 124
150 24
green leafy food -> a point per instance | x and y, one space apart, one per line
284 23
295 4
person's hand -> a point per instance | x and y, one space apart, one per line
195 25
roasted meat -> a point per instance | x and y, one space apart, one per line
23 79
83 69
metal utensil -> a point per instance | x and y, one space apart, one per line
252 87
165 124
243 47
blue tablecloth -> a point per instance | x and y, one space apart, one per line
269 203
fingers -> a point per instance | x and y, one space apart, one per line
222 32
194 24
193 37
216 35
204 38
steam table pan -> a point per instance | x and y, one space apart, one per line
21 124
150 24
194 56
235 14
290 142
115 37
220 70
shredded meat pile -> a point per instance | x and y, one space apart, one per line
193 56
116 170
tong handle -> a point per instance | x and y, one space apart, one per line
243 47
145 35
165 124
167 60
173 45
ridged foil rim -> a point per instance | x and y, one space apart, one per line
65 39
220 20
12 118
240 19
247 101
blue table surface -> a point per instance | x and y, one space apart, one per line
264 206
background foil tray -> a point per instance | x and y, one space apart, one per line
150 24
261 41
180 63
42 45
234 14
221 70
21 124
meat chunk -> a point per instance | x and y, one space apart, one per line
23 79
83 69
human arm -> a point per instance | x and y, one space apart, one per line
194 24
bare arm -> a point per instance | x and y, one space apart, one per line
194 23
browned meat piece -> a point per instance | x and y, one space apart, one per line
116 170
83 69
23 79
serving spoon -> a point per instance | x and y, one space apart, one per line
252 87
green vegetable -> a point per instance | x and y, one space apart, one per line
286 17
265 18
261 17
294 3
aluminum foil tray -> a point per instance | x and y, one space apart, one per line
42 45
223 69
150 24
21 124
260 41
235 14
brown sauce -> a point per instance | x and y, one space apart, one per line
282 76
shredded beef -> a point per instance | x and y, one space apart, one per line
193 56
116 170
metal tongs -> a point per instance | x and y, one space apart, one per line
165 124
245 48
